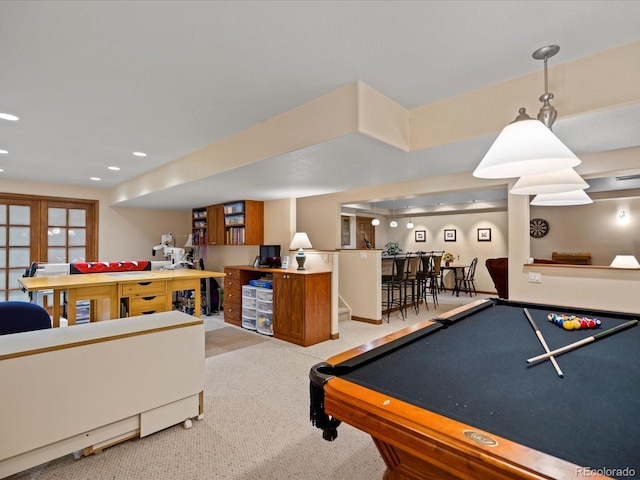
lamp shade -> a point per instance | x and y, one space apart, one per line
577 197
375 222
625 261
525 147
566 180
300 240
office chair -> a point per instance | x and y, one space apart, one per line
18 317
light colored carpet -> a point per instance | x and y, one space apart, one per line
256 423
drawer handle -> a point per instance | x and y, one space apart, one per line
148 312
144 283
148 298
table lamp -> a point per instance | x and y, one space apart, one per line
300 241
625 261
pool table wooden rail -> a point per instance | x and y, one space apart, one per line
341 357
422 445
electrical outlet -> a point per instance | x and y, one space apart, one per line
535 277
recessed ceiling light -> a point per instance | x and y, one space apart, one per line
114 168
3 151
95 179
8 116
140 154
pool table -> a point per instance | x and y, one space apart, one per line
454 398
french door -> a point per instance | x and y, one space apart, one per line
43 229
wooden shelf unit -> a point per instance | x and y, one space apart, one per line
243 222
301 302
199 219
232 223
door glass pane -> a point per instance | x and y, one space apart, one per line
3 213
19 214
77 218
58 217
3 257
3 236
14 275
19 257
57 236
19 236
77 254
18 296
57 255
3 281
77 236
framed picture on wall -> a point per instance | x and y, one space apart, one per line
450 235
484 234
421 235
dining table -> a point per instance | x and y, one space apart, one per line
456 268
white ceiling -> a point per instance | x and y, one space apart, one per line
94 81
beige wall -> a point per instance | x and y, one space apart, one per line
590 228
466 246
124 233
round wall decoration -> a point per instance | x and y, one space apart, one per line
538 227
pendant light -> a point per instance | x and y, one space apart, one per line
566 180
375 222
409 224
393 223
528 146
577 197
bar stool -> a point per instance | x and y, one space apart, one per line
410 281
422 278
435 275
392 287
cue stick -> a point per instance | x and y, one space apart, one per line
584 341
542 341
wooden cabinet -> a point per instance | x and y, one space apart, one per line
301 302
243 222
234 223
144 298
302 307
233 282
215 219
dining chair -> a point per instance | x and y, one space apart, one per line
465 281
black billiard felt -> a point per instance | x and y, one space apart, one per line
475 371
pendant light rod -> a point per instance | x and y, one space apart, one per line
548 113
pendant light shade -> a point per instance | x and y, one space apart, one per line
375 222
393 224
577 197
525 147
566 180
409 224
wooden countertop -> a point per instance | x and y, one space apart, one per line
62 282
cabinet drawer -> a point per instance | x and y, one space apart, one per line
145 305
143 288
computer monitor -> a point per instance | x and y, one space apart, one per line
270 256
